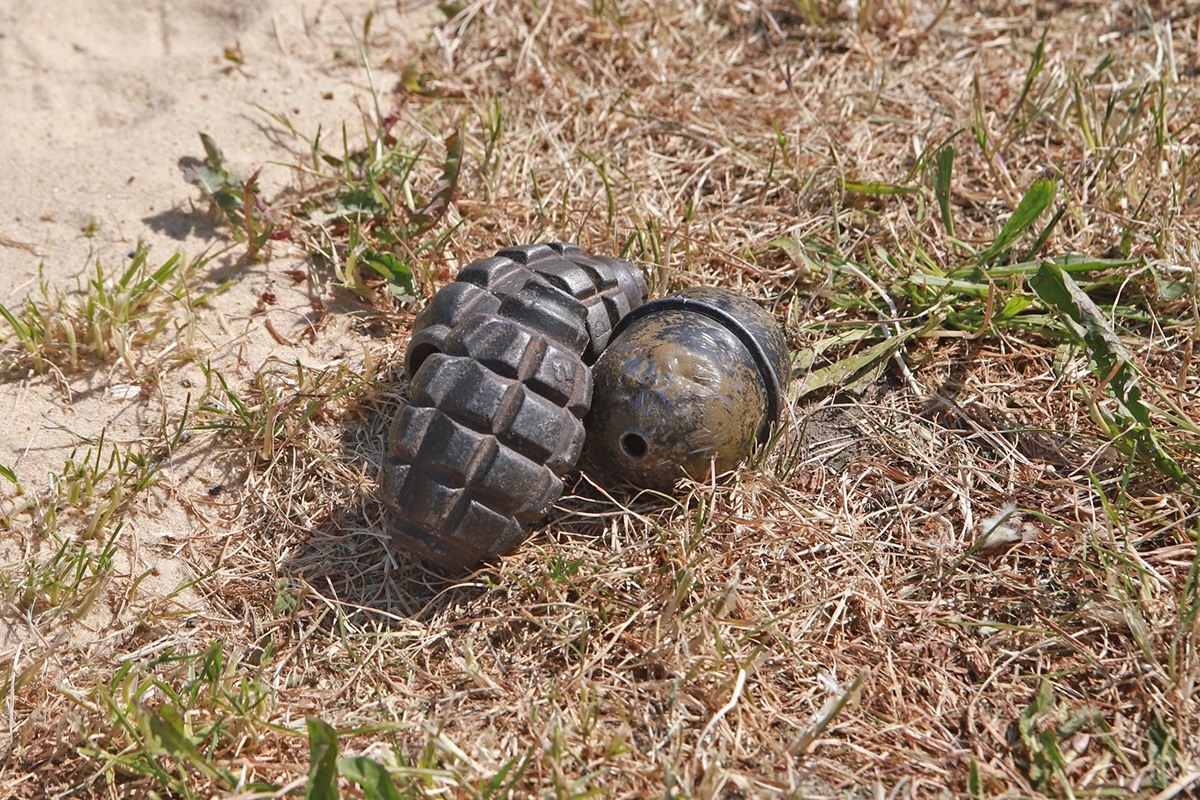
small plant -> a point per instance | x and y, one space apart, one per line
110 317
173 719
1129 422
236 198
281 401
371 226
373 210
96 488
372 778
76 574
1045 733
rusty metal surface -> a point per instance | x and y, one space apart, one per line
687 386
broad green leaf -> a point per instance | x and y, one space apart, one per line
372 776
1170 290
1081 315
209 180
1015 305
1035 201
358 203
1112 363
322 761
285 601
397 272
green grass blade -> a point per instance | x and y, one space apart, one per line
850 369
1035 67
929 153
978 122
974 781
20 329
878 188
943 167
425 218
1040 241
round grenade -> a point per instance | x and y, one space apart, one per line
688 381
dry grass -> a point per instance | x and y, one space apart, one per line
973 573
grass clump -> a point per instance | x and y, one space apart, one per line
112 317
98 485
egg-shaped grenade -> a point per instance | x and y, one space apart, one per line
688 382
499 388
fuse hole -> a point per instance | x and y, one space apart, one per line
634 446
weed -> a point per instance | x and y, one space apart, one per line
170 719
236 198
283 399
111 317
368 216
97 487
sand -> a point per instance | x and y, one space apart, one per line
101 100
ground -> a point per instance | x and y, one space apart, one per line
965 565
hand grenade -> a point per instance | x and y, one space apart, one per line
688 384
499 388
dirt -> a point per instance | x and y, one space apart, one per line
103 105
102 100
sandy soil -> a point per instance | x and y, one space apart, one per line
101 100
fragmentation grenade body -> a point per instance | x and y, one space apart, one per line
688 382
499 386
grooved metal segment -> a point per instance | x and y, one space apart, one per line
500 383
607 287
552 312
498 275
438 319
